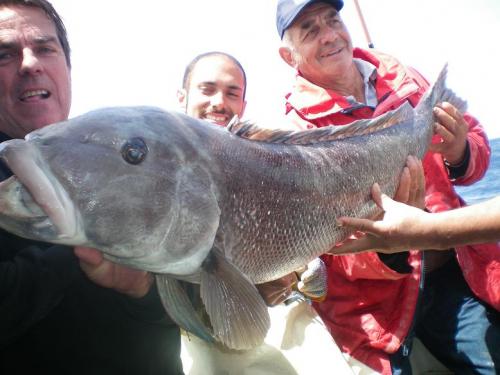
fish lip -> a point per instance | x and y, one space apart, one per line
29 208
25 162
21 215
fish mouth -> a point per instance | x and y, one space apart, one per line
32 200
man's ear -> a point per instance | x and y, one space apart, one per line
182 98
287 56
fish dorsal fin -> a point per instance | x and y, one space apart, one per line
238 314
251 131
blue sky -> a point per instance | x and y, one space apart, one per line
133 53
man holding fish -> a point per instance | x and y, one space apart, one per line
199 221
377 303
53 319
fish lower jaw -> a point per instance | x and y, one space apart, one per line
150 264
39 228
17 202
159 263
177 269
40 187
18 206
44 229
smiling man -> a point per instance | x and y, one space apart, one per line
37 91
213 88
377 303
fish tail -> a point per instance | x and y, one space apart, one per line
439 93
424 111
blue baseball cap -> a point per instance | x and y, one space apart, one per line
288 10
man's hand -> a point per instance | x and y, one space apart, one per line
310 281
132 282
392 234
411 189
277 291
452 127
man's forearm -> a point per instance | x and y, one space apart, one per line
478 223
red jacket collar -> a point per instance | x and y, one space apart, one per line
312 101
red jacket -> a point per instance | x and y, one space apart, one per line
369 308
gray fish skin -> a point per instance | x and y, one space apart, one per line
206 204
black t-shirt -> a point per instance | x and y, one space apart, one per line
54 320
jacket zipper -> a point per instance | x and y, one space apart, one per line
408 341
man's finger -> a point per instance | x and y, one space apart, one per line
445 132
451 110
403 191
417 189
446 116
361 225
355 245
101 274
377 195
88 255
386 203
276 291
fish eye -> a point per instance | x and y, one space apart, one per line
134 151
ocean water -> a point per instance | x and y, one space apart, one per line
489 185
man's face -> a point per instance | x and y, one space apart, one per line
321 47
215 91
35 82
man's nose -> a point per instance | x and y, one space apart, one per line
30 64
217 100
328 34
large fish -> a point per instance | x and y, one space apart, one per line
197 203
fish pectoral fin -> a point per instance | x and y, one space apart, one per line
180 308
237 312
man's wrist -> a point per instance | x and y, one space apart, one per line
457 170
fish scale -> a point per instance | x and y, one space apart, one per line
296 200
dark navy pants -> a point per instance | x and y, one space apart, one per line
456 327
